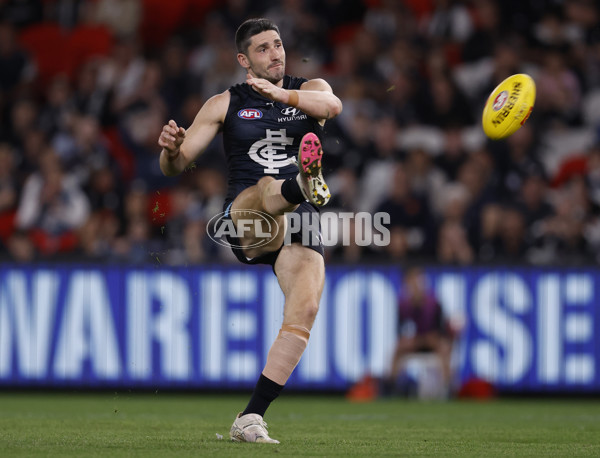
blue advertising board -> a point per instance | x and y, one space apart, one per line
211 327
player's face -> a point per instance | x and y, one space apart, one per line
266 56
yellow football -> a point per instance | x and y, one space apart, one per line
508 106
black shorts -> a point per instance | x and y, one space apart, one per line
308 235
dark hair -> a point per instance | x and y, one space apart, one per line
249 28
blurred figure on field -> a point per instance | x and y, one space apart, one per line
422 326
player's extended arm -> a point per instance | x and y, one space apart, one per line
315 97
180 147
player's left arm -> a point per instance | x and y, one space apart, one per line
315 97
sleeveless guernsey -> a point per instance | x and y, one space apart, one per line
260 136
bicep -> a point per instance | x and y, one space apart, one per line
205 127
316 84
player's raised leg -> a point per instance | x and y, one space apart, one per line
277 197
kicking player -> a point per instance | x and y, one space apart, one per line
267 122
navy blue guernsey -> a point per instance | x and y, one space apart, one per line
260 136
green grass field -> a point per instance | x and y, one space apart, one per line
162 425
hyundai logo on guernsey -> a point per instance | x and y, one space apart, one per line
291 114
250 113
290 111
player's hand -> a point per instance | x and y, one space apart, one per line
171 138
267 89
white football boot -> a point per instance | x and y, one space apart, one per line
250 428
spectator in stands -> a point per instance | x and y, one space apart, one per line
24 115
20 248
176 81
90 98
386 91
82 148
381 154
17 70
123 71
52 207
28 154
475 176
487 31
558 90
426 180
8 184
535 206
442 103
453 154
410 217
8 193
138 246
106 193
574 212
512 235
57 111
453 245
123 17
452 242
98 236
516 159
593 173
449 22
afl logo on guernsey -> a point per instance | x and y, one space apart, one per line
250 113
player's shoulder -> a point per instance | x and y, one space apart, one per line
239 90
316 84
218 103
221 99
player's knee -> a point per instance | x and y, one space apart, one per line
309 311
263 183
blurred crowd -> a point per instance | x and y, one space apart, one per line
85 87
